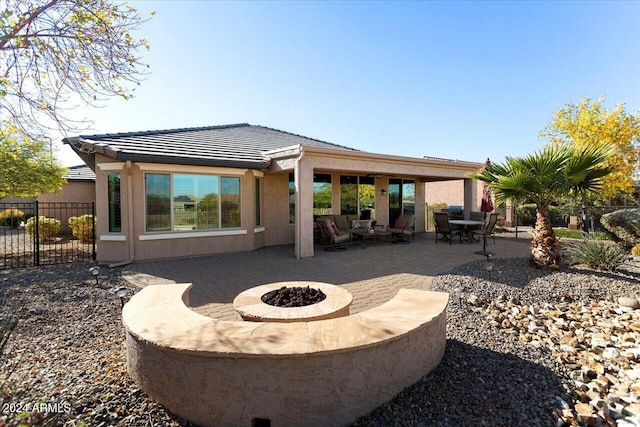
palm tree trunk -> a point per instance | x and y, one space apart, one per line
545 249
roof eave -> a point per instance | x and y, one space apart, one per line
191 161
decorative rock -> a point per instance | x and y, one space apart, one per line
629 302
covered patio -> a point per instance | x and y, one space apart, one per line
398 185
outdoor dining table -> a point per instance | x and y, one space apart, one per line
466 225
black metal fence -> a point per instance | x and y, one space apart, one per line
41 233
589 220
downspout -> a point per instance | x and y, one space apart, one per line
296 177
129 219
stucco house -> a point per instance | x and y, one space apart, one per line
239 187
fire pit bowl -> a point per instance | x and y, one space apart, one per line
250 307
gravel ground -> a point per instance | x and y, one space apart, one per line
67 351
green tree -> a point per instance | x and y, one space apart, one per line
542 178
27 166
589 124
54 52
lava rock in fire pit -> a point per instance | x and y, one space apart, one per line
293 297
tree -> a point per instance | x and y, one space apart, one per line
542 178
590 124
27 166
56 52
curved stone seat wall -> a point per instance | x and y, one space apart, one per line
327 372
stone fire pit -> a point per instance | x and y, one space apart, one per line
250 307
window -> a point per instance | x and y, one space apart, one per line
357 196
258 203
408 197
195 202
322 194
158 201
367 197
230 202
348 194
113 197
292 199
199 202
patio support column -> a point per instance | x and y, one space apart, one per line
303 176
420 206
468 196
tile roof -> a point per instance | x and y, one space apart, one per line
80 173
235 145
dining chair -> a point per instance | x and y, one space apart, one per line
442 226
489 228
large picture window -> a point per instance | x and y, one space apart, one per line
181 202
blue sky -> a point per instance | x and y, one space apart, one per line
460 80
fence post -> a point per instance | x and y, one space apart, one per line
36 235
93 227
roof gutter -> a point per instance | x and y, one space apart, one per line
298 225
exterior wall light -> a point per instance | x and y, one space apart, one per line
384 192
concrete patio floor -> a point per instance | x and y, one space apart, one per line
373 275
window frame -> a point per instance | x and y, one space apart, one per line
218 230
113 205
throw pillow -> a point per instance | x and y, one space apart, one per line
334 227
400 223
355 224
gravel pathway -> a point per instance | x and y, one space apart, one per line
66 356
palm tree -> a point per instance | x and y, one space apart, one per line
542 178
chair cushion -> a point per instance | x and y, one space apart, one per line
335 229
342 222
399 223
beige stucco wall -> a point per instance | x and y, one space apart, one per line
275 229
322 373
116 247
452 193
72 191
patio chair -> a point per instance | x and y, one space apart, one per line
331 236
488 229
476 216
455 214
405 225
442 226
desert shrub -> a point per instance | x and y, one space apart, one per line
82 227
624 224
579 234
48 228
11 217
597 254
527 214
431 208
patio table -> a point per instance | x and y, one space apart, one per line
466 224
370 235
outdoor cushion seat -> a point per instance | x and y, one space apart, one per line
332 235
404 227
